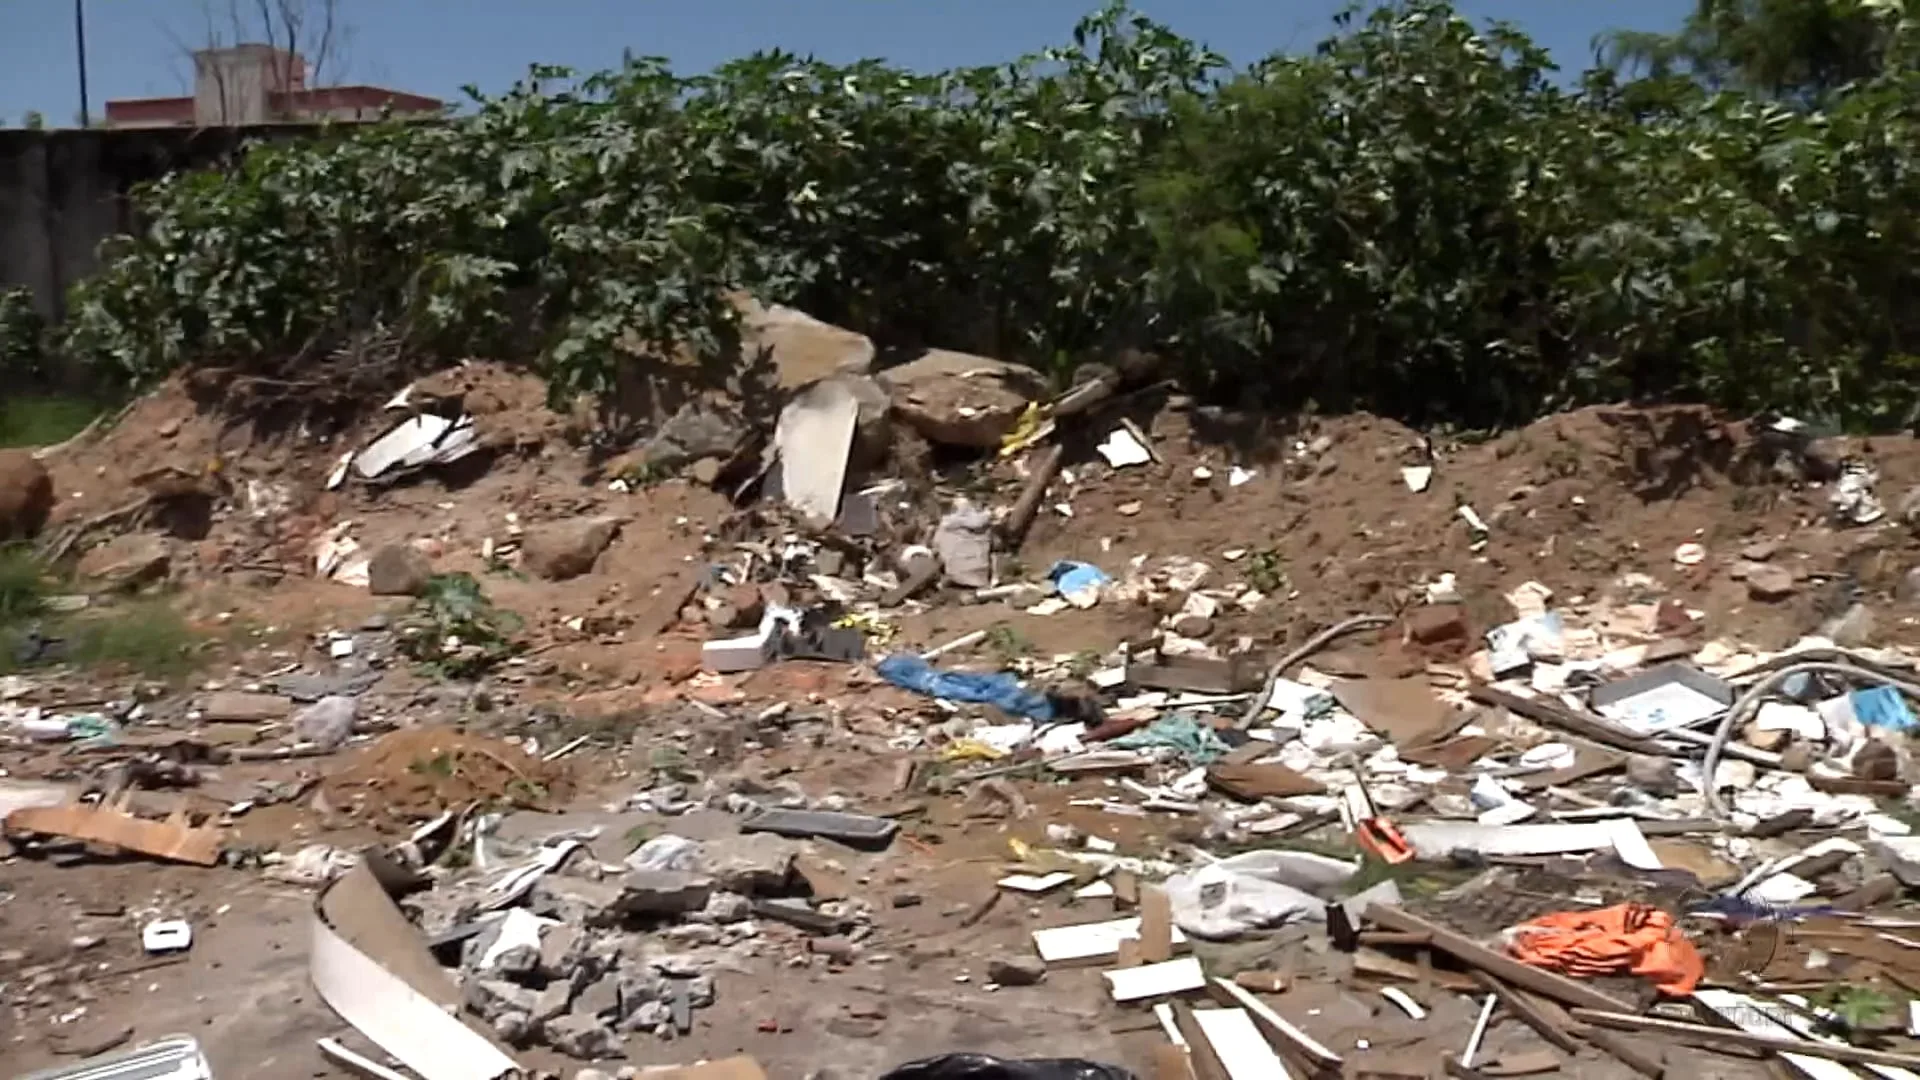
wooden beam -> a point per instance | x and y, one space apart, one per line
1641 1059
1538 1015
1703 1035
1460 947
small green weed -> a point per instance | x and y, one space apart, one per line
1006 643
148 638
455 631
23 586
1266 571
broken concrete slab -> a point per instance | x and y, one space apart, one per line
664 892
814 438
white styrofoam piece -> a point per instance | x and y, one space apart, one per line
1089 941
1035 883
1156 980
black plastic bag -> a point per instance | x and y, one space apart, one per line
983 1067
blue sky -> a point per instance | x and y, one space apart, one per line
135 47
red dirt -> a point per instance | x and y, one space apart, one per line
416 773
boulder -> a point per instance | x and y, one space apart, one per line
801 348
127 562
558 550
398 570
958 399
26 496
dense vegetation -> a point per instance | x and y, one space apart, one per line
1415 218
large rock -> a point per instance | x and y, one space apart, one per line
801 348
958 399
126 562
559 550
26 496
398 570
750 863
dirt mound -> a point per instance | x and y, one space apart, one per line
418 772
1327 527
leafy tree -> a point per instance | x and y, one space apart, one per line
1792 49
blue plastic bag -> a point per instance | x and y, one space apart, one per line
1001 690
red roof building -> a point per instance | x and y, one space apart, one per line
260 84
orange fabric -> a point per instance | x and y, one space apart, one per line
1625 937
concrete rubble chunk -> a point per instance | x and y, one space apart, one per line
327 723
754 863
26 496
127 562
600 998
491 998
1016 970
725 909
1769 583
664 892
553 1001
958 399
398 570
583 1037
649 1016
591 1074
563 949
559 550
514 1028
581 902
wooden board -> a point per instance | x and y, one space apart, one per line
173 839
1462 948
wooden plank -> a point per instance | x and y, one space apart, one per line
1703 1035
1156 926
173 839
1206 1064
1556 1029
1237 1042
1041 471
1172 1062
1641 1059
1460 947
1292 1041
1565 719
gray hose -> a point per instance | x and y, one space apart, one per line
1751 698
1313 645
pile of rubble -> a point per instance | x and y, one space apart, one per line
1589 812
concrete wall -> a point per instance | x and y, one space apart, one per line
63 192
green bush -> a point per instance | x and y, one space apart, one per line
1415 219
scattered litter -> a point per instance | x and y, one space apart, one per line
1121 448
166 935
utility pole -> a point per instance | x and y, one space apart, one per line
80 47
